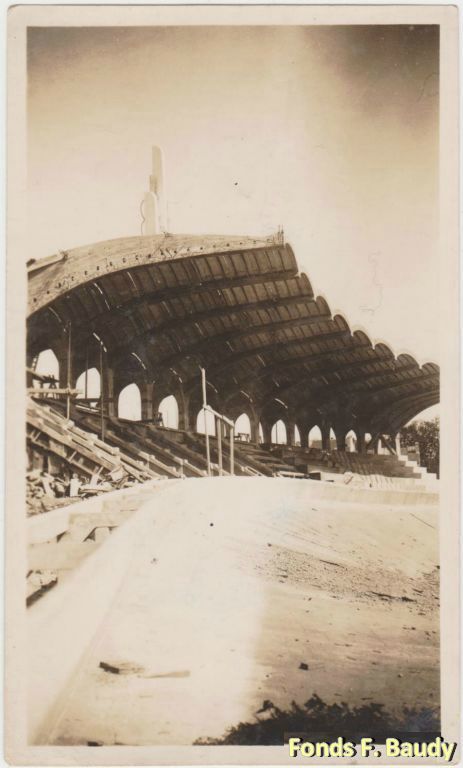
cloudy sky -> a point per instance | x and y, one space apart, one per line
331 132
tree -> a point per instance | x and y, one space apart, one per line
426 434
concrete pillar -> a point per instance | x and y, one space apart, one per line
267 430
290 432
110 396
62 355
146 393
360 441
340 433
325 430
183 402
29 362
254 420
194 405
304 433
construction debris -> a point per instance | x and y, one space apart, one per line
39 582
46 491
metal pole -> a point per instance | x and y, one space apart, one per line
232 450
218 426
68 396
102 391
208 450
86 374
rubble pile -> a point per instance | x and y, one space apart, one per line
45 491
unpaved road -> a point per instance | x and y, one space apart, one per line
237 582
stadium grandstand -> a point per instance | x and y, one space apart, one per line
261 379
163 315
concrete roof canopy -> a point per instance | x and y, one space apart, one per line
237 306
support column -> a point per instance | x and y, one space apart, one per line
340 433
108 390
183 402
304 433
61 352
254 420
267 430
218 432
290 432
64 352
146 392
360 441
325 430
29 362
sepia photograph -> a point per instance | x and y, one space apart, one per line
232 513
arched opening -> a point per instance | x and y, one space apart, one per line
168 410
243 428
333 443
89 384
129 403
429 414
367 440
351 442
201 423
297 436
261 433
278 434
315 437
47 365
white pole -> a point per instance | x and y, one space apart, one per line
218 426
232 450
208 450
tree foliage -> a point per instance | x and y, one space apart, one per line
426 434
328 721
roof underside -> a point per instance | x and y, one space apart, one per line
237 306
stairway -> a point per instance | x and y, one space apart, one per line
148 451
429 479
49 433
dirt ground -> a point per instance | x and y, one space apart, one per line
251 589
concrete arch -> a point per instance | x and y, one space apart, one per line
47 364
169 411
89 384
203 419
274 341
279 434
315 437
129 403
351 441
243 426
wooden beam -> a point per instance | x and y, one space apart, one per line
212 345
307 359
156 296
225 311
53 391
261 349
398 411
345 383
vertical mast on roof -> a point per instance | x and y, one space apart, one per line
153 204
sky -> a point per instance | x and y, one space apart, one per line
329 132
